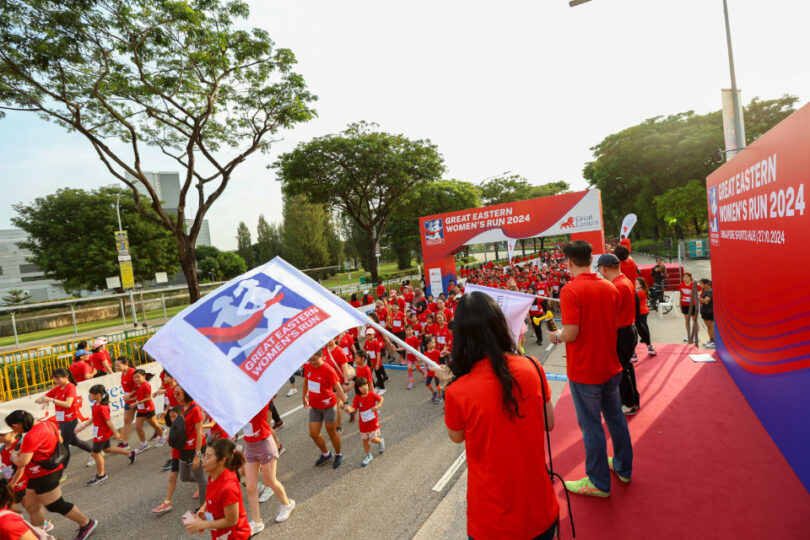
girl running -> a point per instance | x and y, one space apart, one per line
374 347
124 366
641 317
63 396
361 369
413 341
15 476
103 431
367 404
145 408
434 354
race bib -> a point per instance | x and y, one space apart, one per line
346 350
60 416
314 386
209 516
372 354
95 431
141 406
8 471
397 324
441 339
367 416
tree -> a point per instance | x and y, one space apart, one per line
304 233
334 245
361 172
403 235
71 235
269 240
643 162
231 264
244 246
356 244
177 76
684 207
15 297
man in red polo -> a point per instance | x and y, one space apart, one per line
589 306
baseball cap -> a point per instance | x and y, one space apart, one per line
365 292
369 330
608 260
99 342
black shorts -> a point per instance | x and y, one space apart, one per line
99 446
150 414
18 496
685 310
46 483
707 316
185 455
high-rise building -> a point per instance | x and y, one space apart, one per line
17 273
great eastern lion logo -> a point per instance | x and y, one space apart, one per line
568 223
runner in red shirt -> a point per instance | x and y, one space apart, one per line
81 369
641 316
688 310
444 338
382 314
124 366
145 408
367 404
16 482
346 342
321 392
67 403
626 263
374 348
223 511
434 354
103 430
334 357
412 340
101 357
380 290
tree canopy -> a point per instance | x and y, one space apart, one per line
180 76
71 234
361 172
503 189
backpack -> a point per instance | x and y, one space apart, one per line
60 452
177 432
36 531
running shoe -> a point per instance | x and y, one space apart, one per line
160 442
651 351
143 447
90 462
381 446
123 445
634 358
278 425
162 508
256 528
266 494
284 511
168 465
87 530
377 389
622 478
323 459
410 385
96 480
47 526
281 450
709 344
382 391
686 339
132 458
583 486
366 460
291 392
629 411
154 437
338 461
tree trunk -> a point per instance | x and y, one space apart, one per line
523 246
372 245
697 226
496 251
188 263
534 244
542 243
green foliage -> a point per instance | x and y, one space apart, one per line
218 265
72 237
269 240
512 188
361 172
14 297
635 166
202 252
244 246
305 243
684 206
231 264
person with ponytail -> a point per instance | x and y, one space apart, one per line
103 431
12 524
223 511
67 404
495 406
145 408
124 366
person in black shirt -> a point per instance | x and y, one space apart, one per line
707 309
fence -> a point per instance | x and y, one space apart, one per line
28 371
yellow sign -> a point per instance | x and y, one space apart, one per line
122 242
127 275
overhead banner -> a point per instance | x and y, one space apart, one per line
758 222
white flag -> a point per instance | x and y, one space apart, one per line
510 246
234 348
627 225
515 306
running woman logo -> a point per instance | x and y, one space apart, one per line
254 320
434 232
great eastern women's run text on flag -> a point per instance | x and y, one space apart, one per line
234 348
515 305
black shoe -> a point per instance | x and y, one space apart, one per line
278 425
323 459
168 465
540 343
338 461
132 457
85 531
339 430
98 479
351 417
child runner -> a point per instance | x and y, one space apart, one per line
346 342
124 366
374 347
398 323
413 341
361 369
367 404
334 357
434 354
145 410
322 383
103 430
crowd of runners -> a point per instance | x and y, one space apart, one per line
347 376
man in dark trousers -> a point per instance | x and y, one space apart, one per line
590 323
627 338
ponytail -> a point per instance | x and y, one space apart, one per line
144 374
124 360
62 372
226 449
7 497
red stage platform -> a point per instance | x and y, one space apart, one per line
704 467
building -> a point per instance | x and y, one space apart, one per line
167 186
17 273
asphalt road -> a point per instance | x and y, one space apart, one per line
391 498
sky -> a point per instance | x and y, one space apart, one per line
521 86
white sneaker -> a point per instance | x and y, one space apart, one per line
284 511
90 462
709 344
292 392
382 391
381 446
256 528
143 447
366 460
160 442
266 494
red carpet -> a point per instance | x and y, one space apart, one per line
704 467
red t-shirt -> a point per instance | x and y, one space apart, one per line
346 343
431 329
97 358
369 420
629 269
686 293
363 371
380 291
5 457
355 303
434 355
80 370
627 300
41 441
444 338
101 431
642 302
171 395
217 432
398 322
144 391
373 348
335 360
413 341
63 393
321 383
536 310
12 525
258 429
128 383
509 494
191 417
417 328
382 315
592 303
222 492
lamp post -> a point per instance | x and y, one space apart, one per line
120 228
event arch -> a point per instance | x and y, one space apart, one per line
578 214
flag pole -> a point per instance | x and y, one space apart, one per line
395 339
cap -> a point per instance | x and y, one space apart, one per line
82 352
365 292
608 260
99 342
369 330
5 428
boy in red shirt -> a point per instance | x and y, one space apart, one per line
367 404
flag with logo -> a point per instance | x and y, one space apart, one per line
515 305
627 225
510 247
234 348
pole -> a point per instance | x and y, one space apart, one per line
395 339
132 304
73 316
735 100
123 312
143 308
163 300
14 327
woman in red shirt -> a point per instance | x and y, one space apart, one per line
687 307
145 408
495 406
12 525
223 511
101 357
124 366
66 402
641 316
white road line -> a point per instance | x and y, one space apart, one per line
450 472
550 346
288 413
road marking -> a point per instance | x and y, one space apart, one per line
556 377
288 413
550 346
450 472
